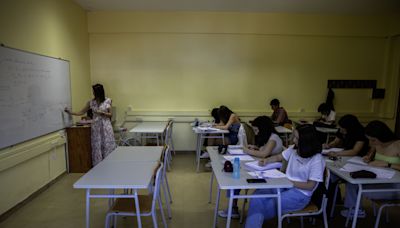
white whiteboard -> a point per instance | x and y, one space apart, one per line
34 90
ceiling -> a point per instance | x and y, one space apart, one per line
289 6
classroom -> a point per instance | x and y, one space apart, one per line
173 62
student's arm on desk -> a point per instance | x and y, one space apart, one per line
352 152
232 119
335 143
263 152
275 158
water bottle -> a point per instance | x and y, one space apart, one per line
236 168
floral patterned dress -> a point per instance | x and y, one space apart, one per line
102 135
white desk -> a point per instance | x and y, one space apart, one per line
113 175
226 182
135 153
155 129
362 182
327 131
206 134
285 132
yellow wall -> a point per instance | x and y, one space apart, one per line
55 28
192 61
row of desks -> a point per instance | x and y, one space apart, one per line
227 182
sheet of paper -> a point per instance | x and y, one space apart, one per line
254 166
357 160
380 173
207 129
325 151
235 147
273 173
235 151
241 157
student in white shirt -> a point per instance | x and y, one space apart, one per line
305 169
328 115
268 143
267 140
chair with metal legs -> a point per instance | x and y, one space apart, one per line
147 204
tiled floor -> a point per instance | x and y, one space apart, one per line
62 206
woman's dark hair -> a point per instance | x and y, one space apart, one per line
324 109
265 129
215 115
224 113
355 133
98 92
308 143
380 130
274 102
351 124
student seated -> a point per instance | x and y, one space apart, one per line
350 137
267 143
328 116
207 142
305 169
384 152
279 116
228 121
267 140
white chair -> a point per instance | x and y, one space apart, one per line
382 204
169 142
147 204
164 180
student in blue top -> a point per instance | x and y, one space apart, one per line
305 169
228 121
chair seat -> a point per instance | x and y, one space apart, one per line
128 204
311 208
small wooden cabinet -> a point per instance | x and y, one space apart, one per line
79 149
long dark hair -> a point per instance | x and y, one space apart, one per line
351 124
224 113
379 130
265 129
308 144
324 109
215 115
98 92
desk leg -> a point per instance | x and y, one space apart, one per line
211 184
216 207
357 207
228 219
279 209
87 208
137 209
198 151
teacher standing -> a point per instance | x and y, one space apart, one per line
102 134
